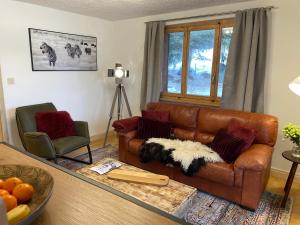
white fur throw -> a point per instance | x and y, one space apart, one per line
186 151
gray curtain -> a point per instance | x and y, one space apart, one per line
153 62
243 87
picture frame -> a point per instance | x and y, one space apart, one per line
58 51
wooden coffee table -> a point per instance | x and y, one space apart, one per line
172 198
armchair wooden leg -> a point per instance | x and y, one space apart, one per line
90 154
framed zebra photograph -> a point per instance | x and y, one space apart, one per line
56 51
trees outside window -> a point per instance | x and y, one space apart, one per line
196 61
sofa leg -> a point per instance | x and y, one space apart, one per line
247 208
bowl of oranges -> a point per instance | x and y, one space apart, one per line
24 186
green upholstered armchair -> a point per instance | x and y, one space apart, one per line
39 143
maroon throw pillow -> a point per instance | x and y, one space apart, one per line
126 125
227 146
148 128
163 116
55 124
237 130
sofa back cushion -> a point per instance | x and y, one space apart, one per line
211 120
181 116
206 122
163 116
183 134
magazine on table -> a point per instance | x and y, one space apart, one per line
106 167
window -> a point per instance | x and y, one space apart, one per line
196 61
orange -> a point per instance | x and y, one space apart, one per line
10 183
1 183
3 192
23 192
10 202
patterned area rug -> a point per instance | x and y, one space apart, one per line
207 209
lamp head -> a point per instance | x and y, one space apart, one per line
294 86
119 72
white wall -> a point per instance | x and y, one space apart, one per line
282 67
86 95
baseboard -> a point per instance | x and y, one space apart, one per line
284 174
98 137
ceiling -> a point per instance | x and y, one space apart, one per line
125 9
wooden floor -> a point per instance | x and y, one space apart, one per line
275 184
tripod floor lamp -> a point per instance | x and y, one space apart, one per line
118 73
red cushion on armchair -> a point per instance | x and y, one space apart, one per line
55 124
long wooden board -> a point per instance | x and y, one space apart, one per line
138 177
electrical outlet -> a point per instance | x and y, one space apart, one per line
10 80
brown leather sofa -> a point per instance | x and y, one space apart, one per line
243 181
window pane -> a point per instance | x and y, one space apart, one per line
175 45
225 42
201 48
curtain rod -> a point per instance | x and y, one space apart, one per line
207 15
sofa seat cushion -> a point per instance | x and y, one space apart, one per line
220 172
134 146
68 144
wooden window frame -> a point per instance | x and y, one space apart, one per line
186 28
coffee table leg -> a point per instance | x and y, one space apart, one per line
289 183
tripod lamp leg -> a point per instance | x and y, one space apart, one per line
110 116
126 101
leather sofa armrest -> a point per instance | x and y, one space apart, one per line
124 139
256 158
252 170
126 125
82 129
39 144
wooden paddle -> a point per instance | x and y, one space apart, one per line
138 177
